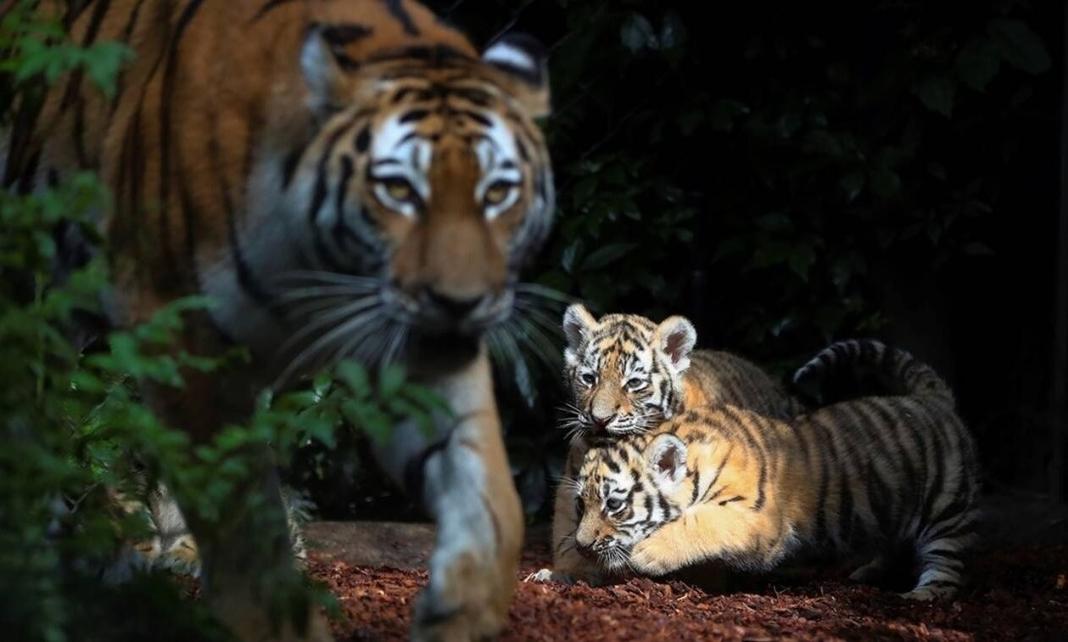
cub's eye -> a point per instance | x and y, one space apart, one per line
588 378
635 383
497 193
613 504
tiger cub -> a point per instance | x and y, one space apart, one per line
878 475
627 375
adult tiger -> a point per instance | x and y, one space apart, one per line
360 142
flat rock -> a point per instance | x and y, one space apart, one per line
400 545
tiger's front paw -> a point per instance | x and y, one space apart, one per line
646 559
467 601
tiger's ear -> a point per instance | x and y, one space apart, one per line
323 62
524 62
676 337
666 456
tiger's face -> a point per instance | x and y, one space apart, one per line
426 187
624 371
624 492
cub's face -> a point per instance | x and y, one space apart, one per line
624 492
624 371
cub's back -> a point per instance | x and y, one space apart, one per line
725 378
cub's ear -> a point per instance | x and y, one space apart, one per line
324 61
579 324
523 61
666 456
676 337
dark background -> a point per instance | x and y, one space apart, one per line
785 174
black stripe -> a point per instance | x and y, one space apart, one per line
475 116
127 33
845 509
664 506
696 486
319 196
289 166
719 470
267 8
344 34
343 232
396 8
939 473
245 278
415 469
736 498
166 100
73 96
413 115
363 139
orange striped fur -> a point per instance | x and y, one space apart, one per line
871 475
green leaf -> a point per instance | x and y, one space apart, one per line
936 93
885 182
672 31
637 33
977 63
355 377
725 113
852 184
606 255
1019 45
390 380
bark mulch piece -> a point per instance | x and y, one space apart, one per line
1018 595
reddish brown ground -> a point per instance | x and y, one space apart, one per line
1017 596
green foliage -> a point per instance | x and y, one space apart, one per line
74 423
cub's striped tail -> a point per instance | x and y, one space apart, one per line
901 372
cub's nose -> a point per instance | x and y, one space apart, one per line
600 424
455 307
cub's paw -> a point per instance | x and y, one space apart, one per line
549 575
465 602
929 593
649 560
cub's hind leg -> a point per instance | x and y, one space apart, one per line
873 571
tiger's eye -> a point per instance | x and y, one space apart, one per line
496 193
399 190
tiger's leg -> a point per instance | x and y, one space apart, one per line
463 477
568 565
247 566
248 570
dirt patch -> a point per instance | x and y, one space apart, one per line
1018 595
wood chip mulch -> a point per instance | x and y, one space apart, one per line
1019 595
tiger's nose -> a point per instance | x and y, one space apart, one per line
453 306
600 424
